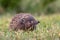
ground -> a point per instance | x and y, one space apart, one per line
47 29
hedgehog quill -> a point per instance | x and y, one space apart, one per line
23 21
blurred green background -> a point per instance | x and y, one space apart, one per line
46 11
30 6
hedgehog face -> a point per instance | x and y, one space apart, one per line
30 24
35 22
33 25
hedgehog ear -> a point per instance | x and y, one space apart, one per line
23 21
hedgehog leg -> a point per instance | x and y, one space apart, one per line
33 28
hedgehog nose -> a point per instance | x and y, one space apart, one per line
38 21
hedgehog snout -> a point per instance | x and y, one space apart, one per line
36 22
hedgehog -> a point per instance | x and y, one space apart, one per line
23 21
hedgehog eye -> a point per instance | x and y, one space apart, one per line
32 22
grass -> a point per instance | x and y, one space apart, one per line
47 29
